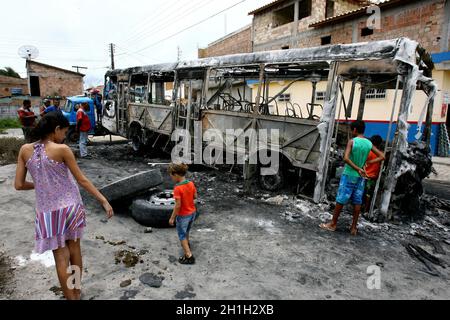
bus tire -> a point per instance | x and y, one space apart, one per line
73 136
137 139
273 182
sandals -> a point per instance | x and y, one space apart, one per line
186 260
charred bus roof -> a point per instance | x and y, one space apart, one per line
381 57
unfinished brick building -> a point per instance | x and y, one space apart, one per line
10 86
49 81
308 23
236 42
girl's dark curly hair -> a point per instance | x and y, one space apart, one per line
48 124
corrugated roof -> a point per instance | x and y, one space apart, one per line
276 2
267 6
357 12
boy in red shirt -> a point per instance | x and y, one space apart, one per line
83 126
373 168
185 211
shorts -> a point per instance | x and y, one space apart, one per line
184 225
351 189
370 188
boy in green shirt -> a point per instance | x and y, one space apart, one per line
353 180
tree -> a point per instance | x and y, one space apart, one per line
9 72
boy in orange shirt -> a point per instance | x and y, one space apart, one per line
185 211
373 168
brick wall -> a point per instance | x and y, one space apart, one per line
345 6
266 33
237 42
57 82
9 83
422 21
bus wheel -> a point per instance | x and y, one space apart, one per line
273 182
73 136
136 138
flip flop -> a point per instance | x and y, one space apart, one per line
327 228
186 260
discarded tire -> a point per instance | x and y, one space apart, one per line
133 185
155 212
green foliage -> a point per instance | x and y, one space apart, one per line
9 124
9 72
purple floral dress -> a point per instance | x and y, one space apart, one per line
60 213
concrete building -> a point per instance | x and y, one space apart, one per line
10 86
50 81
288 24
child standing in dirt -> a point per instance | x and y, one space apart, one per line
353 181
185 212
60 213
373 168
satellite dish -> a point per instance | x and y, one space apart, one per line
28 52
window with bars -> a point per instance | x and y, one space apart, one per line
376 94
320 95
285 97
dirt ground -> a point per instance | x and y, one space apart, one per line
246 247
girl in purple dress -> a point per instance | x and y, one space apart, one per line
60 213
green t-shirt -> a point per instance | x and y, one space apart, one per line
360 153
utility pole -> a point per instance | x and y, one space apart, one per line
179 52
78 68
112 48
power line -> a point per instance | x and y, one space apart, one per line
163 23
190 27
78 68
135 56
149 20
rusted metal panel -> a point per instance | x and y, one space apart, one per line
298 137
156 118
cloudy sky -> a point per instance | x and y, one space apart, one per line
77 32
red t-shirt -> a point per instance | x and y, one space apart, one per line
26 122
85 122
185 191
373 170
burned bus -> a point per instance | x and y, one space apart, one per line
148 104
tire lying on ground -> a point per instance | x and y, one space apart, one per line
133 185
155 212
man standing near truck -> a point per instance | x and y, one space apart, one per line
83 127
27 119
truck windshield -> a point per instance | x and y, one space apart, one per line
68 106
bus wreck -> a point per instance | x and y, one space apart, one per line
147 104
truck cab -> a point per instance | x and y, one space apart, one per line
70 112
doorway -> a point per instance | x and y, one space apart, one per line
35 89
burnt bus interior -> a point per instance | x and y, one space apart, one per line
147 104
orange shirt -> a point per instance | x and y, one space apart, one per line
373 170
185 191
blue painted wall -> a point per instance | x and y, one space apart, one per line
381 128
